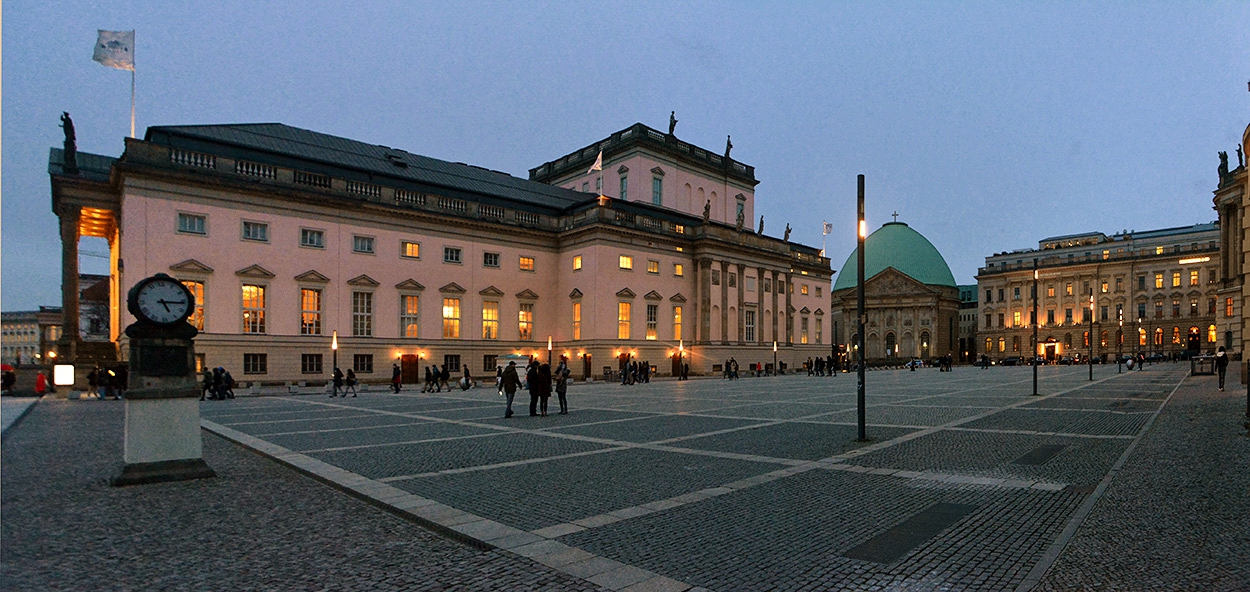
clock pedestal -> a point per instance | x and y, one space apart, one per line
162 437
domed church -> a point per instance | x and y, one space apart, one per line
910 298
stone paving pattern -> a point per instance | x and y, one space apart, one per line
707 484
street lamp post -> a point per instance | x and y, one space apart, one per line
681 349
334 359
1035 323
1090 332
862 234
548 350
1119 356
1141 360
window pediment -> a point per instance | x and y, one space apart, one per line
491 291
363 280
575 293
625 293
677 298
410 284
452 288
255 271
311 276
526 294
653 295
191 266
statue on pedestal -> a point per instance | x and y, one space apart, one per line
761 230
1223 170
70 156
729 145
707 211
672 122
787 236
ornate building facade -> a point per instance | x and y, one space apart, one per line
1156 291
1232 202
288 237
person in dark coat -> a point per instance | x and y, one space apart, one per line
397 377
351 382
443 377
531 382
509 382
1221 364
562 386
544 388
337 379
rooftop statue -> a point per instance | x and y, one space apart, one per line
1223 170
707 211
761 230
71 144
729 145
787 236
672 122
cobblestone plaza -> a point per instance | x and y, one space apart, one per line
967 483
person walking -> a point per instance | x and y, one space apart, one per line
443 377
1221 364
206 388
428 387
337 380
544 388
41 384
93 382
562 386
467 382
397 378
351 382
499 379
508 382
227 383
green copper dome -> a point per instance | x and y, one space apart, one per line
896 245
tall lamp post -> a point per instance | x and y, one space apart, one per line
334 360
1141 360
548 350
862 232
1119 356
774 357
1090 332
1035 323
681 349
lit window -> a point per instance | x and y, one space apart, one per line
1211 334
653 266
312 238
197 316
1158 250
627 262
362 244
622 320
451 318
490 259
803 289
1068 289
653 312
819 325
1158 280
451 255
310 311
577 321
527 264
677 322
1176 279
410 315
253 308
192 224
1228 307
362 314
490 320
1015 319
1103 287
577 262
256 231
410 250
1193 277
1050 291
679 270
803 330
525 321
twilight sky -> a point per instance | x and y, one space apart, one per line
986 126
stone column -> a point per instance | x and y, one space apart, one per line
776 336
69 217
742 281
724 302
703 300
789 317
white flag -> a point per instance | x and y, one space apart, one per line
828 228
598 166
116 49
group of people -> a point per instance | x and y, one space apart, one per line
218 385
731 369
436 379
106 383
826 366
635 372
343 383
538 380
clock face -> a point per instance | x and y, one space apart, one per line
163 301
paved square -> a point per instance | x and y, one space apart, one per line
742 485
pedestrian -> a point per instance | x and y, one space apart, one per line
562 386
467 381
685 371
206 388
337 380
351 382
41 384
531 384
123 382
443 377
499 379
227 383
733 369
428 387
544 388
218 393
1221 364
509 381
93 382
397 378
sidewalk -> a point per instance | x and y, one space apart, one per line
12 409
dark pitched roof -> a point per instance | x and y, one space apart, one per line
283 145
90 166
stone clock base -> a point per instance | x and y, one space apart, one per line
163 471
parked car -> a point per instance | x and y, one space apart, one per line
914 363
1155 358
983 363
1010 361
1066 360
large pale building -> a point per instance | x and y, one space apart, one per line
287 236
1156 291
1232 201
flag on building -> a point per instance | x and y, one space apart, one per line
828 228
598 166
115 49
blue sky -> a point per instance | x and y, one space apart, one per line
986 126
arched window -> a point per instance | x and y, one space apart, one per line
924 345
1015 344
1176 335
1159 336
1002 345
1141 337
1102 339
1211 334
889 345
989 344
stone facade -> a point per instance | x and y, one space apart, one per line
1232 202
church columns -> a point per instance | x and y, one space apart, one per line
703 299
724 302
742 281
789 307
69 218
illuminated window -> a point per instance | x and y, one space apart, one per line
626 262
410 315
577 262
1015 319
525 321
819 325
310 311
653 266
451 318
1158 280
1104 286
989 345
253 308
490 320
677 322
197 290
679 270
1086 338
803 329
1228 307
410 250
577 321
1068 288
1050 291
1193 277
1141 337
653 313
1106 254
1159 336
622 320
803 289
1211 334
1158 250
527 264
1176 335
362 314
1176 279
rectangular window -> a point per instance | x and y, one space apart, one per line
310 311
1103 287
1228 307
1158 250
410 315
622 320
715 277
1141 311
490 320
803 289
310 364
452 361
315 239
653 313
1158 309
451 318
679 270
527 264
626 262
1176 279
577 262
1015 293
748 325
192 223
1102 311
803 330
490 259
1119 284
362 363
1067 316
653 266
451 255
988 294
525 321
1050 291
255 231
989 319
818 291
577 321
624 188
489 363
819 326
1050 317
253 308
677 322
1158 280
362 244
410 250
1193 307
1176 308
362 314
657 191
255 363
1067 288
768 285
1141 282
1000 320
1193 277
1000 294
197 316
1015 319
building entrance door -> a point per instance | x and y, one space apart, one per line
410 368
1194 343
586 366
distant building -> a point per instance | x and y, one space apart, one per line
1163 284
911 299
968 351
29 337
1232 201
286 236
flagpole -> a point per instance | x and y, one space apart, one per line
132 103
